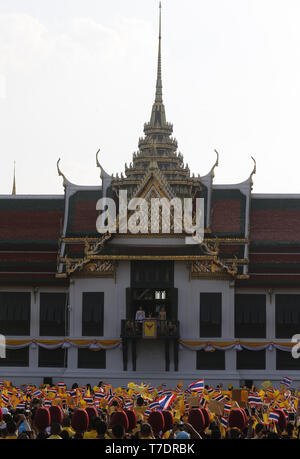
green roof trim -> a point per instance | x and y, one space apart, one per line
275 204
262 243
24 242
32 204
50 266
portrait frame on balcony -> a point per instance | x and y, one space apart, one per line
149 328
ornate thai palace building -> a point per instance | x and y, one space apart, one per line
224 309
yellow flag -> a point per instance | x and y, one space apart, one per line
266 384
266 418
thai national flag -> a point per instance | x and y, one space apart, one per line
21 406
197 386
150 389
203 402
224 422
274 417
166 401
47 402
72 393
147 413
110 399
286 381
37 393
4 399
227 408
154 406
99 395
61 384
254 400
128 404
220 398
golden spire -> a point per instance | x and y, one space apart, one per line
158 94
158 116
14 182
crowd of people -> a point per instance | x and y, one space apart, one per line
145 412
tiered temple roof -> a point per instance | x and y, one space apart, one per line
255 237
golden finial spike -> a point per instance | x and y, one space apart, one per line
14 182
97 160
60 173
98 164
103 174
217 160
215 165
254 169
252 173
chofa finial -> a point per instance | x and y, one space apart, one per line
253 172
60 173
103 174
215 165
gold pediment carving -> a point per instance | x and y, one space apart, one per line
213 268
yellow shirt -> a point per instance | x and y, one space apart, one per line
139 411
70 431
90 435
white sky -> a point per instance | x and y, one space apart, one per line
78 75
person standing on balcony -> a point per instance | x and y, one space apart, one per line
140 314
162 318
139 317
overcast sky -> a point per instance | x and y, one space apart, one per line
79 75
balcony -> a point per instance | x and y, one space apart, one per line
135 332
150 329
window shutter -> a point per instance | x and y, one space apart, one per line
92 313
250 316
